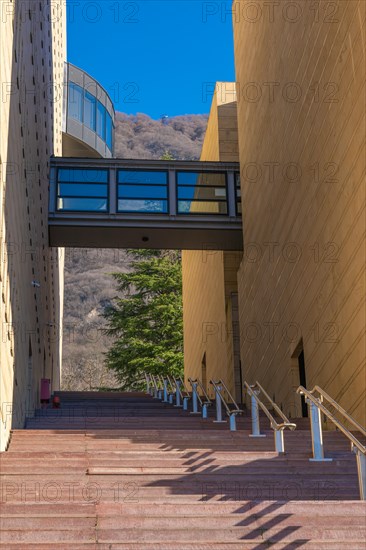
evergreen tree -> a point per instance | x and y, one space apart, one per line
146 321
167 155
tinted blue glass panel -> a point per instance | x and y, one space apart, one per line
82 175
202 193
109 131
75 102
198 207
82 205
201 178
149 206
142 177
101 120
82 190
142 191
90 111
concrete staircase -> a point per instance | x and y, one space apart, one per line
123 471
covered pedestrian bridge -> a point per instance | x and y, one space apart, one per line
113 203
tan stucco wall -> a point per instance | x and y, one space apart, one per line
310 282
31 77
208 275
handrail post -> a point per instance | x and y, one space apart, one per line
256 432
171 397
147 383
204 410
316 434
177 394
279 441
219 419
361 469
185 403
233 422
155 388
194 399
165 400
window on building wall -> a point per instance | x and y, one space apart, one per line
90 111
75 102
101 112
109 131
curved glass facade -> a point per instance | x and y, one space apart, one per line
89 112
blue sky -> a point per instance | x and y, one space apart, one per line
153 56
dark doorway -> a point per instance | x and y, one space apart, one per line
302 377
29 400
204 372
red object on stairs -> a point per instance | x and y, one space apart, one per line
56 403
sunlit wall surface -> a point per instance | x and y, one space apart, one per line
88 113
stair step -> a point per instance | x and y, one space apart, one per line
26 523
71 536
247 545
125 471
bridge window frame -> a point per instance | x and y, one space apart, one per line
83 197
184 185
132 184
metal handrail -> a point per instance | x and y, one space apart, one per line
318 403
229 411
172 384
278 428
184 393
274 424
154 381
161 381
148 382
199 383
349 418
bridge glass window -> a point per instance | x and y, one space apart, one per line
90 111
101 111
75 102
143 191
82 190
202 193
238 194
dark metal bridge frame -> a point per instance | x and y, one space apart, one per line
169 229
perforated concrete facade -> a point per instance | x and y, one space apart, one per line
33 52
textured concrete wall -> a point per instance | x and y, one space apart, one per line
209 276
32 49
301 114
